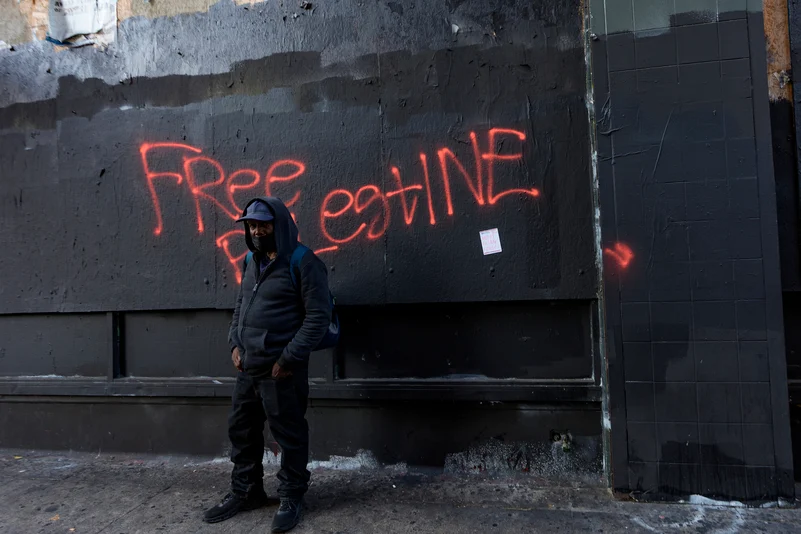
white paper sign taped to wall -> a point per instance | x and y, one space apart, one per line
490 241
82 22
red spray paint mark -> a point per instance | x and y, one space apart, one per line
150 175
432 219
233 187
224 242
621 253
491 158
373 232
271 178
477 187
361 214
408 215
326 214
199 190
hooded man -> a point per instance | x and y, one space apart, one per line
274 328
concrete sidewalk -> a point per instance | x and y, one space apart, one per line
116 494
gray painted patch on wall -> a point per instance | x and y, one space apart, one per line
616 16
230 34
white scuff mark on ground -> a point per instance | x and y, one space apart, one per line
699 515
728 525
272 459
68 466
214 461
738 522
363 460
781 503
706 501
607 422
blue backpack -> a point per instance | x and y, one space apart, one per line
331 336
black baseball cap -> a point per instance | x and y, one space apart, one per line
257 211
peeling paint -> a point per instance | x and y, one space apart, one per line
777 42
137 8
23 22
581 460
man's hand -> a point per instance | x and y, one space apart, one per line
279 372
236 358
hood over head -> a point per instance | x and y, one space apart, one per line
286 231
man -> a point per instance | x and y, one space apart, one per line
274 328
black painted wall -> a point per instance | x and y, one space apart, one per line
334 140
397 131
393 157
694 320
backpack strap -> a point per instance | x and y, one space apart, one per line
248 257
294 265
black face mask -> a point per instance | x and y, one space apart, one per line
265 243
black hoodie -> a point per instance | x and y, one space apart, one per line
273 321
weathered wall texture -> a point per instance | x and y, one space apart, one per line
395 145
397 131
694 332
27 20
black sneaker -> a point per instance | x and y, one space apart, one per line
232 505
287 516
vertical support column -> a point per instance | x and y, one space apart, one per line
774 320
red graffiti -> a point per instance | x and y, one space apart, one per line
491 157
224 242
344 215
476 188
408 216
432 219
359 206
271 178
149 175
621 254
233 187
199 191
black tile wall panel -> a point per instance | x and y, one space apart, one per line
674 362
640 367
714 361
678 443
685 185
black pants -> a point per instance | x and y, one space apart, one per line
283 404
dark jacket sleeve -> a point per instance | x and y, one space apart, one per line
317 304
233 330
